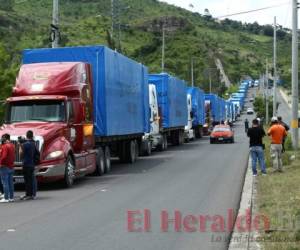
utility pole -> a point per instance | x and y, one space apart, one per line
119 26
266 92
54 25
112 18
192 71
210 87
275 70
295 97
163 49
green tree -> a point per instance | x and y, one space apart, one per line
260 106
7 76
6 5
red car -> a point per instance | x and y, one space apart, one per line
222 133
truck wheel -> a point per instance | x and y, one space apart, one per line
131 151
107 160
100 165
186 140
175 138
137 150
200 132
181 137
148 148
127 153
69 172
165 139
164 143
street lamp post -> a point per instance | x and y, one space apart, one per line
54 25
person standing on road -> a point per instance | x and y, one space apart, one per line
29 152
256 134
7 160
287 128
277 133
246 125
1 186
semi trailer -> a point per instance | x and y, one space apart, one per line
84 105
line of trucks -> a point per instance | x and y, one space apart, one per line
88 104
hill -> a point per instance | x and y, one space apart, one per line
240 48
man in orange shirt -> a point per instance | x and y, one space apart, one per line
277 133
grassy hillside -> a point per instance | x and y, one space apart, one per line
242 50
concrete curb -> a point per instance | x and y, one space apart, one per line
244 240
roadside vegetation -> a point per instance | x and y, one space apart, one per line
279 199
259 105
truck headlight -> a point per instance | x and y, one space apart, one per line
54 155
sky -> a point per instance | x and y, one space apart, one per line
218 8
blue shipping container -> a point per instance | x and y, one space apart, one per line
120 87
214 106
222 109
172 99
198 105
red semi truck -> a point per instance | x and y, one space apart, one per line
83 104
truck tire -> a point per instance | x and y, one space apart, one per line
131 151
165 141
127 152
198 133
100 165
175 138
148 148
137 150
180 137
107 160
69 172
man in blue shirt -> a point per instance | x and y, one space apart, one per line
28 152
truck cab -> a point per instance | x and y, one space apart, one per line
188 130
153 139
54 101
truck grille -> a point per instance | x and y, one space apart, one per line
18 158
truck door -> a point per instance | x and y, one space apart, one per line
76 131
154 114
190 114
88 127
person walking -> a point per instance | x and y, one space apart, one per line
28 152
246 125
287 128
277 133
7 160
256 134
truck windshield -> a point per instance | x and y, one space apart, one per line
48 111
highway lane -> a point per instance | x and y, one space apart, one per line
197 179
283 109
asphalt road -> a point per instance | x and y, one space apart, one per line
284 110
195 179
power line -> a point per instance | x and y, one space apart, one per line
254 10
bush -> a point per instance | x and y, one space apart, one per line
289 143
